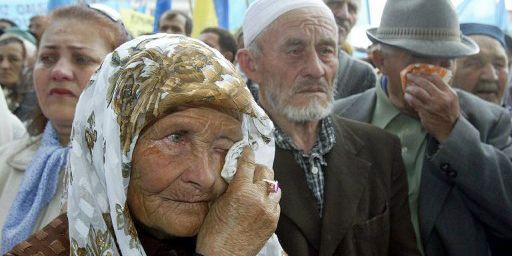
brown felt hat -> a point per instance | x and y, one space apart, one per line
424 27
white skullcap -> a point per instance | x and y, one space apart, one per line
262 13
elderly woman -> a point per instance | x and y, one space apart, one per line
31 181
17 53
164 125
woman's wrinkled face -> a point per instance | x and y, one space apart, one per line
11 63
69 53
176 169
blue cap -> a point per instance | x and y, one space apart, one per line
485 30
508 41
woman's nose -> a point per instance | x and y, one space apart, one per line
202 172
62 71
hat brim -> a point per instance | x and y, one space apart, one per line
445 49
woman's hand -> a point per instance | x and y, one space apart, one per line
245 216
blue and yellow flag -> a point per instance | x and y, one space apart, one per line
160 7
204 16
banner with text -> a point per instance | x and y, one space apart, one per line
20 11
137 23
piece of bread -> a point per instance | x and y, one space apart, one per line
427 69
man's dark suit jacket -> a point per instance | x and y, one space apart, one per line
366 210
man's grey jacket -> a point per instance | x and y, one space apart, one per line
466 183
354 76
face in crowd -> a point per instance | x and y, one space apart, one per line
12 57
297 64
176 169
391 61
345 12
211 39
220 39
69 53
484 74
174 25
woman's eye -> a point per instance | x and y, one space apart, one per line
223 145
176 137
14 59
48 59
82 60
222 149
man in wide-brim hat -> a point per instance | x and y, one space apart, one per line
456 147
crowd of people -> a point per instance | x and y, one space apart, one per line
273 140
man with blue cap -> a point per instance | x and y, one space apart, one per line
484 74
344 183
456 147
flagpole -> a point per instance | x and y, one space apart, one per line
368 13
191 8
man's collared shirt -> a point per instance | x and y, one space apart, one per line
313 163
413 138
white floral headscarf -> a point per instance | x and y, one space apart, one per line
136 84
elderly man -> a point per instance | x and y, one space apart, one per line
456 147
175 22
486 73
345 198
354 76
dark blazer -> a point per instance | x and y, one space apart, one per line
366 210
354 76
466 183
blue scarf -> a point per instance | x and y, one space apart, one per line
37 189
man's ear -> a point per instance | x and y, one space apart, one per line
378 59
247 63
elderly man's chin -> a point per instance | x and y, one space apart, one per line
316 108
342 34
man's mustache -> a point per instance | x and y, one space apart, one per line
312 84
486 86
